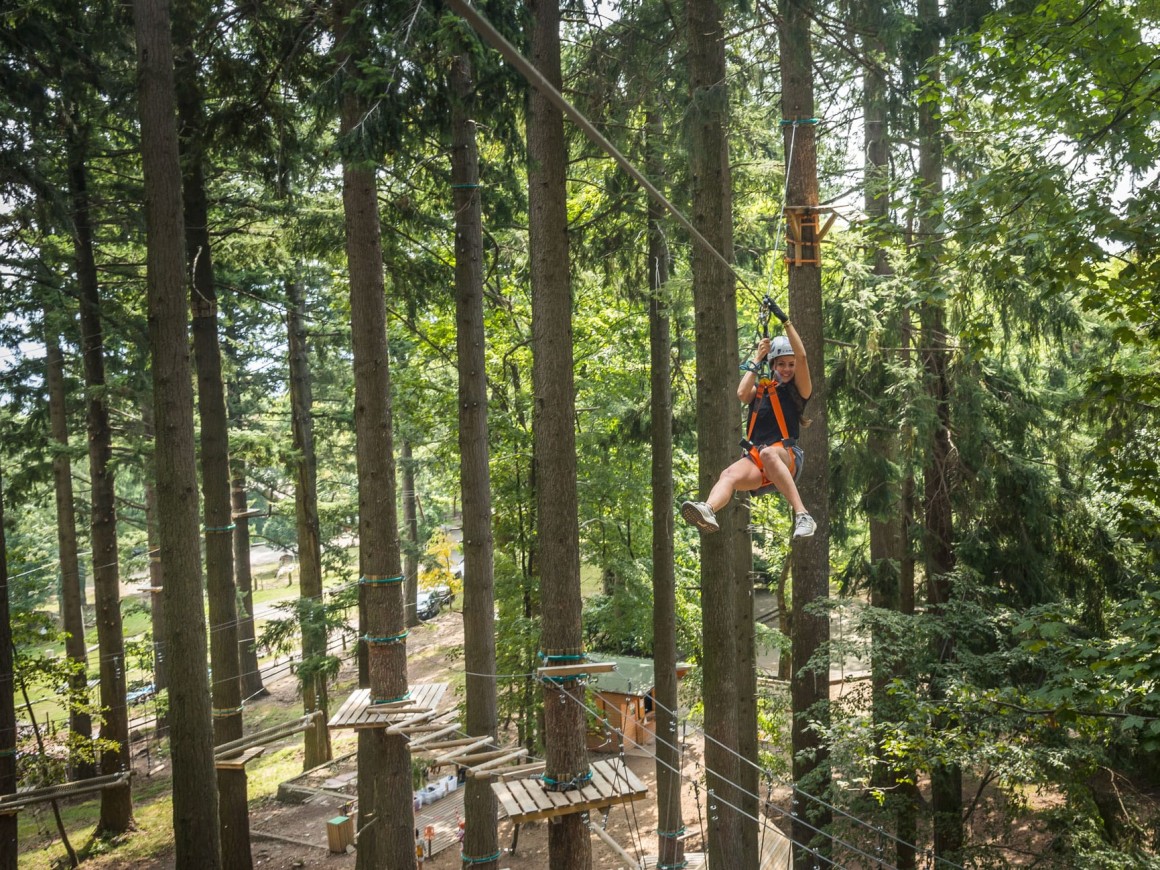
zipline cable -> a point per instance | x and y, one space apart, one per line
881 862
761 770
536 79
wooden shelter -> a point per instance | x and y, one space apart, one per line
624 700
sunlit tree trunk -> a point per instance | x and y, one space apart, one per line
810 689
481 841
411 525
938 539
553 434
116 803
314 696
384 776
214 444
9 847
156 567
197 843
668 761
71 593
251 671
732 838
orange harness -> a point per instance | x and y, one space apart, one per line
751 450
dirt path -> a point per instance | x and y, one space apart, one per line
293 836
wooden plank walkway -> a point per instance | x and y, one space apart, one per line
358 712
445 814
694 861
526 800
775 853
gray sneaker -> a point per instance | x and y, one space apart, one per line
804 526
700 515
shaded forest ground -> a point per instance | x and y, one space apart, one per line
294 835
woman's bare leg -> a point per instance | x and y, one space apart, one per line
742 475
776 462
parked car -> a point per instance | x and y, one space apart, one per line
444 594
427 604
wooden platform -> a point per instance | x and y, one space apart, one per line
525 800
358 712
693 861
444 815
775 853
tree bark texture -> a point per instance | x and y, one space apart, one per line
314 697
116 803
251 672
156 567
888 547
810 689
71 593
9 847
938 537
197 843
214 443
670 843
387 821
732 838
411 525
481 839
554 436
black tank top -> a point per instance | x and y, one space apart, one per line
765 429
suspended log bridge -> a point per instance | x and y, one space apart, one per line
14 803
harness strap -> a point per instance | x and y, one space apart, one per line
763 390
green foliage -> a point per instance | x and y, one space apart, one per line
620 621
307 617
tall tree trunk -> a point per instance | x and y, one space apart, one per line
251 671
481 840
670 843
732 840
554 436
387 821
214 453
314 697
9 847
938 537
810 690
197 844
156 567
156 580
71 597
888 550
411 524
116 803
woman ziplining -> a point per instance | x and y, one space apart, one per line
772 459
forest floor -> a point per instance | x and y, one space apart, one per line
292 835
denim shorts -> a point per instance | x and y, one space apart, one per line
799 458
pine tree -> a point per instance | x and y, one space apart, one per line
314 693
724 556
9 850
481 842
554 437
71 592
387 819
810 689
197 841
116 803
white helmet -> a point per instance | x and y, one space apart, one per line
780 346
